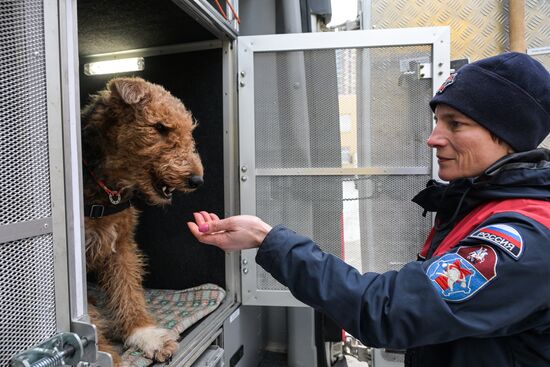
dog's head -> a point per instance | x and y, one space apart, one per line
148 139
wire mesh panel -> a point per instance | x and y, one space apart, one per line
27 294
24 168
344 108
320 113
369 221
400 118
292 97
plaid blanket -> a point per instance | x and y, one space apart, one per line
176 310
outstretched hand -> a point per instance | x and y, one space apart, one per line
234 233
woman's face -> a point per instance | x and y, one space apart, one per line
464 148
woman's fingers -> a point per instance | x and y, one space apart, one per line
209 217
203 221
194 229
199 218
202 237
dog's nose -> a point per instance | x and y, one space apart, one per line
196 181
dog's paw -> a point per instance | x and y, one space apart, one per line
155 343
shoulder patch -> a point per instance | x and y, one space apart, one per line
457 276
502 235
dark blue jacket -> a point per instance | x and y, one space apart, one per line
485 302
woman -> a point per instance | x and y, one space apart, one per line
479 294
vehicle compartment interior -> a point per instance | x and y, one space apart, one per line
175 260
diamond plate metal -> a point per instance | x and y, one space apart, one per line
537 23
537 27
537 34
479 28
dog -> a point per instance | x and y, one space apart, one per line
136 139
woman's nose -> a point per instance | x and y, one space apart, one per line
436 138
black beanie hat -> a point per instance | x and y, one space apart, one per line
508 94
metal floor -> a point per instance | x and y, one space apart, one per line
272 359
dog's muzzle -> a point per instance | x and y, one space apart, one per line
195 181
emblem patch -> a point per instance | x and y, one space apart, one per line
450 80
459 275
502 235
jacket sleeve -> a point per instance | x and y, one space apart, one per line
404 309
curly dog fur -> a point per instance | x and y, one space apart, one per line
136 138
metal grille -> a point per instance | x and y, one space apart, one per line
351 108
24 165
289 90
369 221
377 118
27 295
400 117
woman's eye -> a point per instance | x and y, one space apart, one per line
161 128
455 124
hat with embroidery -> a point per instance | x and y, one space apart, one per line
508 94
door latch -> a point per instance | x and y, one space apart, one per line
62 349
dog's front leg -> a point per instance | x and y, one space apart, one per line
121 279
102 329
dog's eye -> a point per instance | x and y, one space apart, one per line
161 128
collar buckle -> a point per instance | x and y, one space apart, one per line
96 211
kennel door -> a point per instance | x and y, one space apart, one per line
34 205
332 143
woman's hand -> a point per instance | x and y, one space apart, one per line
234 233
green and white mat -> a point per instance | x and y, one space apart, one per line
176 310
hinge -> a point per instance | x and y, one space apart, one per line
424 70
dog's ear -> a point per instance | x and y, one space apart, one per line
130 90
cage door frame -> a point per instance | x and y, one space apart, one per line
436 37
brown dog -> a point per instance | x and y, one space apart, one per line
136 137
